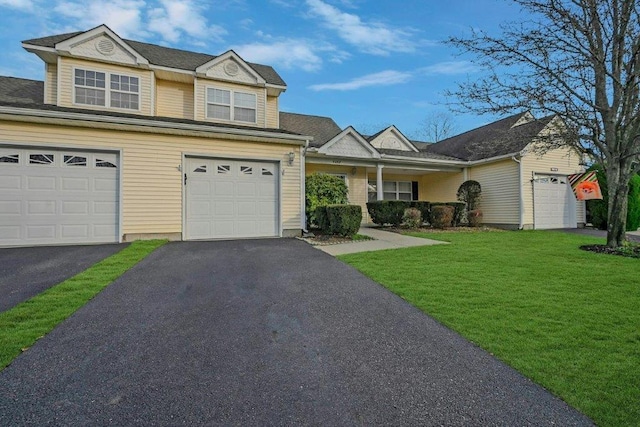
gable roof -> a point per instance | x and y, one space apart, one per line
323 129
165 56
21 91
495 139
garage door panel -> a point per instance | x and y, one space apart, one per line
244 201
53 198
554 203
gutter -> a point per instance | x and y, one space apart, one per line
521 198
146 125
303 199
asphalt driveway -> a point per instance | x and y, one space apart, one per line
25 272
263 332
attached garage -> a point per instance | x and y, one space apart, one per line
554 202
228 198
55 196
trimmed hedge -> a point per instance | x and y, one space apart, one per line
442 215
458 210
342 220
412 218
387 211
424 208
323 189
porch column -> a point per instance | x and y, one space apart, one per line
380 194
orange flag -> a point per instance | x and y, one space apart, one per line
585 186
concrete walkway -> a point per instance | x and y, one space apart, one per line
383 240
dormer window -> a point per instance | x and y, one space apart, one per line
230 105
91 89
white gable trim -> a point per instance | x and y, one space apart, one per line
377 141
65 46
350 131
202 70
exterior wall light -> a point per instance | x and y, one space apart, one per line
292 157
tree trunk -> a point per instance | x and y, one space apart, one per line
618 188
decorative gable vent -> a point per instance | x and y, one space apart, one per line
106 47
231 68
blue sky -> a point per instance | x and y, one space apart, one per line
363 63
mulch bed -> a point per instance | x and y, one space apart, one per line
324 239
629 250
402 230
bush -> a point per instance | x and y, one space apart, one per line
458 211
474 217
424 208
343 220
412 218
387 211
322 189
442 216
321 219
598 209
469 193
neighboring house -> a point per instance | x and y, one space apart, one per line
127 140
520 187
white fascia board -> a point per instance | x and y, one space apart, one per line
401 136
35 48
400 159
66 45
172 70
496 158
350 130
202 70
150 124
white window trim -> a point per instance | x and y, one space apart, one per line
232 92
107 89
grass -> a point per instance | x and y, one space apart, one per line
566 318
23 325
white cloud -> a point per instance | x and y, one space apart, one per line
122 16
374 37
24 5
450 68
285 54
383 78
177 17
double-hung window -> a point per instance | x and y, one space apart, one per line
231 105
91 89
392 190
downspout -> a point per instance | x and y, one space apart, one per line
521 202
303 201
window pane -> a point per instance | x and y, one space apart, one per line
389 186
404 196
244 115
404 187
247 100
389 196
219 96
219 112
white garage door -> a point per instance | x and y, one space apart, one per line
50 196
231 199
554 202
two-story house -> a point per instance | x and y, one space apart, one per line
126 140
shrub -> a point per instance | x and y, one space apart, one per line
412 218
321 219
387 211
598 209
474 217
469 192
344 220
322 189
424 208
442 216
458 211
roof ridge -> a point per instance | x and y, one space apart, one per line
484 126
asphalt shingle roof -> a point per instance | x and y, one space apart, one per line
492 140
166 56
23 93
418 155
323 129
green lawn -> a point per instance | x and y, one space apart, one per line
566 318
23 325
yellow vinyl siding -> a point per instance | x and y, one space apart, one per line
357 184
563 161
201 86
500 202
51 84
439 186
174 99
66 70
151 181
272 112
